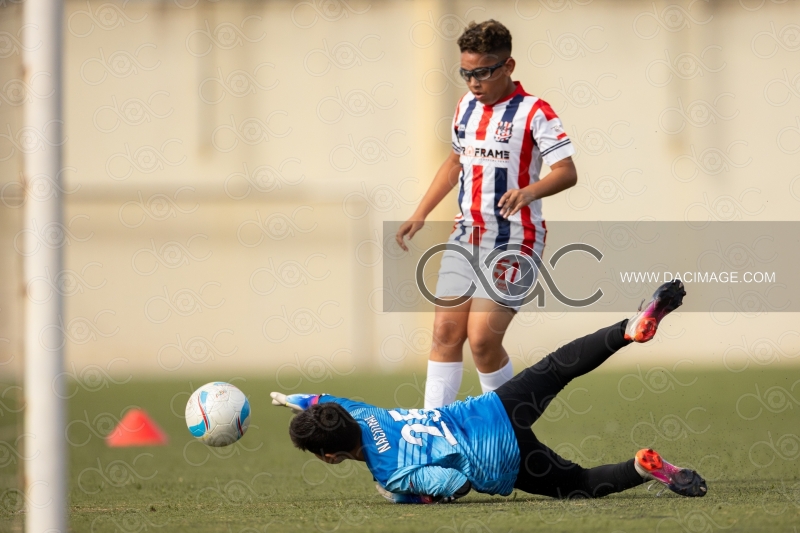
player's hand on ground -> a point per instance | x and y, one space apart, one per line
423 498
514 200
460 493
296 402
404 498
410 228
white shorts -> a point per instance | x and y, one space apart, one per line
510 278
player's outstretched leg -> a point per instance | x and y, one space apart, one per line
527 395
683 481
542 471
666 299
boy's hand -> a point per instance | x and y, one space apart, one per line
410 228
423 498
404 498
296 402
514 200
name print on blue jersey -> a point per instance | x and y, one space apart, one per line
378 435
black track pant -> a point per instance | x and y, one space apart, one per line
527 395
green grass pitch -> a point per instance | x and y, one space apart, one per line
740 430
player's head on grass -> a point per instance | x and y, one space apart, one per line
328 431
486 62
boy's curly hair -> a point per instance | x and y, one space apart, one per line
487 37
325 428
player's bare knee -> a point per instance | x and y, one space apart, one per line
448 335
482 342
486 350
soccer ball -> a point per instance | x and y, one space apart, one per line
218 414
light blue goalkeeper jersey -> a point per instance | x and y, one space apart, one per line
435 451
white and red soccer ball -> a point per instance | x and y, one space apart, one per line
218 414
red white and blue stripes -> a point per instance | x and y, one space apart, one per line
503 147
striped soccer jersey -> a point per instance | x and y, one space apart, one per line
502 147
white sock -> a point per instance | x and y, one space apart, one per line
641 471
493 380
442 384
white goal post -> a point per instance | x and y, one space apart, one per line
45 443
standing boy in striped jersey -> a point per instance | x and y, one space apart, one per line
501 137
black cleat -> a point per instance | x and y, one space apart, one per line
668 297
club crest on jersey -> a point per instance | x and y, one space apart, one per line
503 132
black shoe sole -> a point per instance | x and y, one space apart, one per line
689 483
669 296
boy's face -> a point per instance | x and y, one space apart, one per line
497 86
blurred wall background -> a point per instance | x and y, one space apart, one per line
229 164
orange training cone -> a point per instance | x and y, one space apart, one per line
136 429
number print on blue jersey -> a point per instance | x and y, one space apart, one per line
422 414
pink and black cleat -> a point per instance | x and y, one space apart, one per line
668 297
681 481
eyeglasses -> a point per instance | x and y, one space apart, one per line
482 73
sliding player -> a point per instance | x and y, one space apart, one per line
501 136
486 443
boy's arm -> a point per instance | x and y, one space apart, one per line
296 402
444 181
562 176
424 498
556 150
430 483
